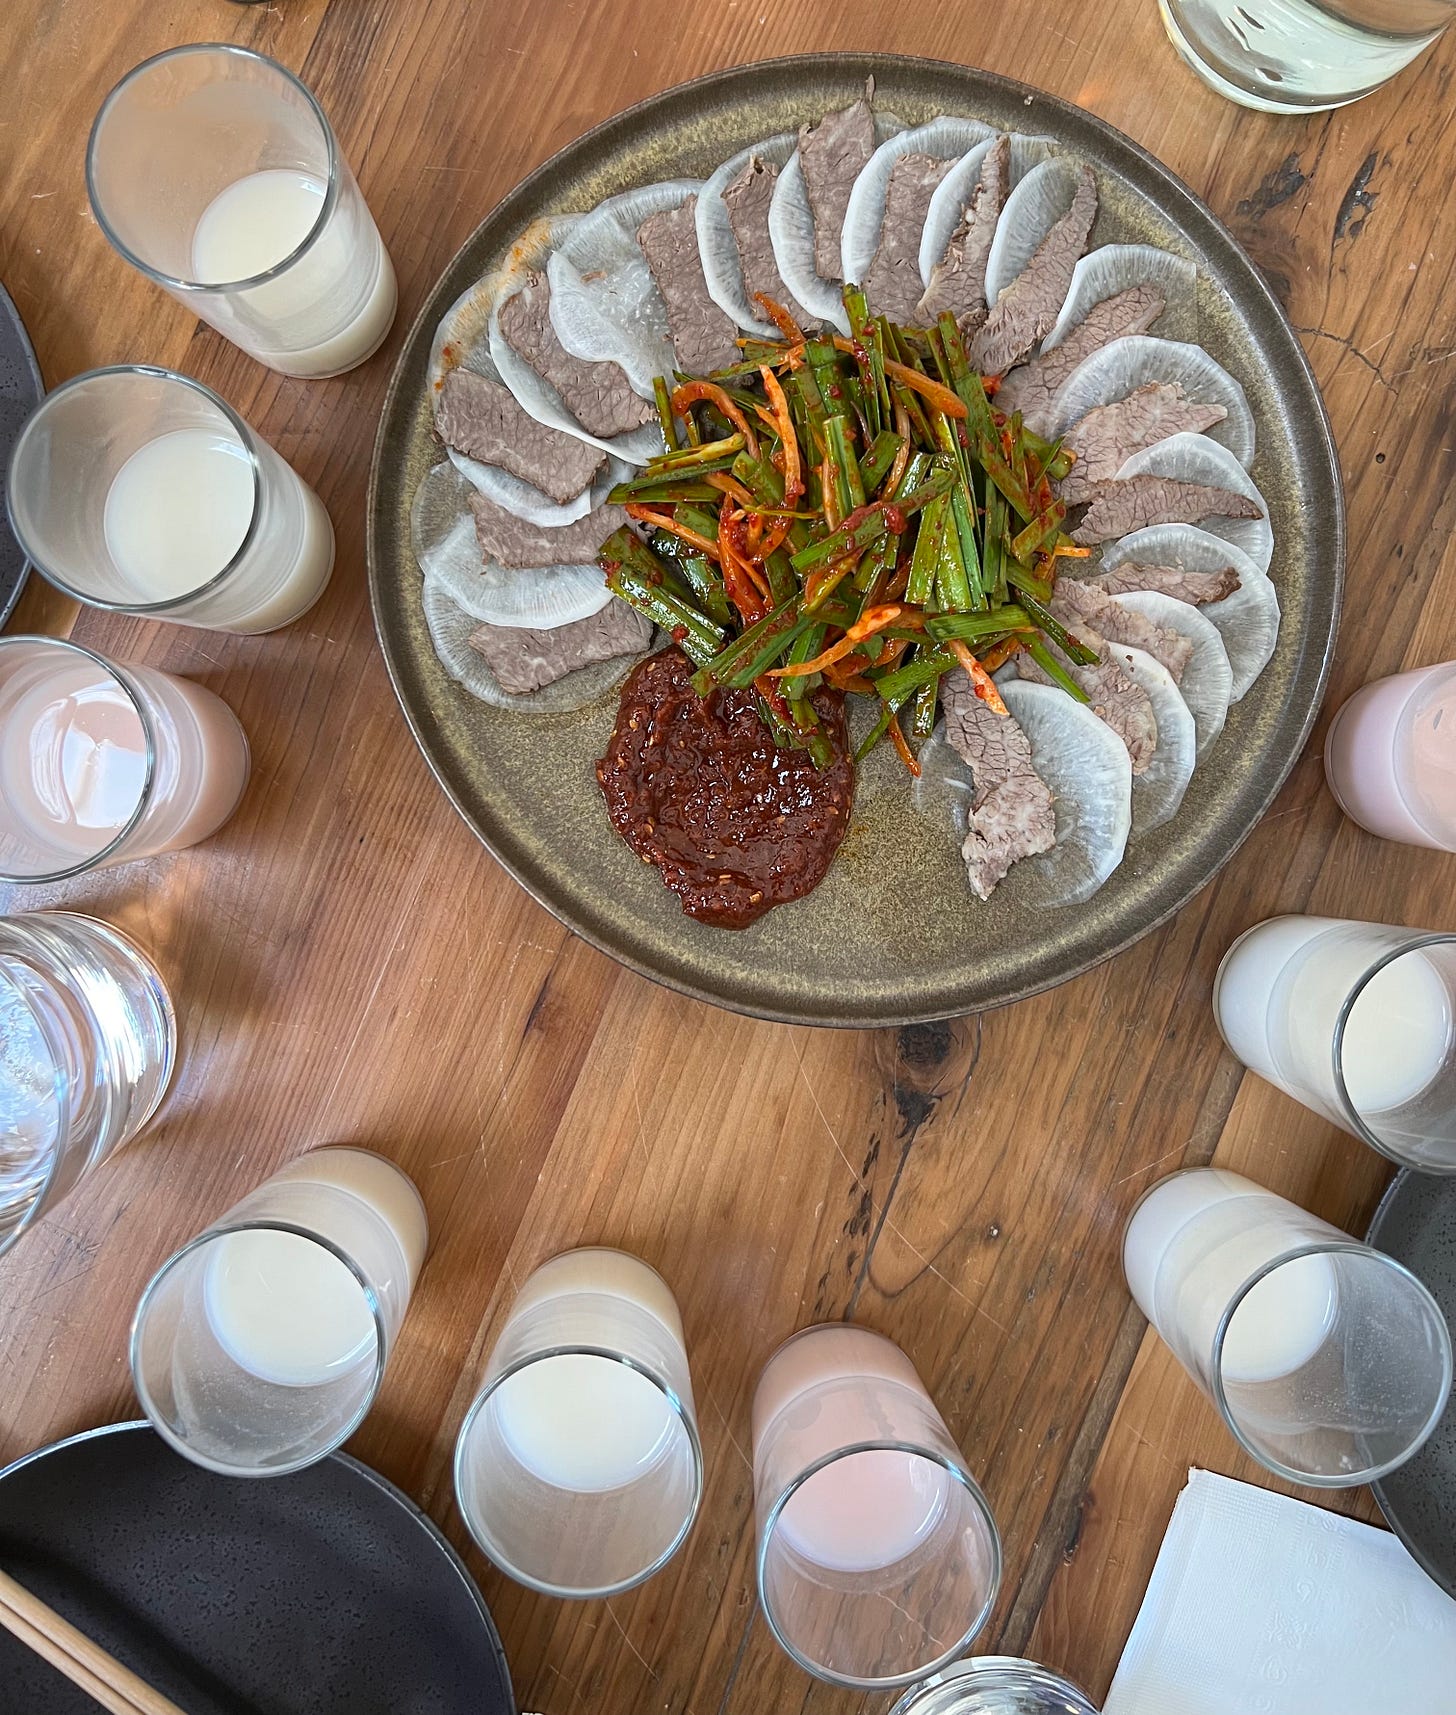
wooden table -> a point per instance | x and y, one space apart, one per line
351 966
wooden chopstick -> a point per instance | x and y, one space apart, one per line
82 1661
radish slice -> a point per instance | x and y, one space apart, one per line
1126 364
1113 268
1247 620
450 628
442 531
717 247
948 203
943 789
1086 766
605 305
943 139
1032 210
1207 682
462 340
1195 458
1158 790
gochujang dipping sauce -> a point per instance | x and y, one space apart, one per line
697 787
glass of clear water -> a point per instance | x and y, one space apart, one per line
1296 56
88 1040
996 1685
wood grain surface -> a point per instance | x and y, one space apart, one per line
349 965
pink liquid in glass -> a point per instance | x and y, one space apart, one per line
1390 757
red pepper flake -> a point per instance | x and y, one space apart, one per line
679 632
895 521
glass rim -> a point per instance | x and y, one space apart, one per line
914 1675
1415 802
682 1410
990 1672
169 604
120 677
831 1328
1342 1246
1419 939
174 282
146 1303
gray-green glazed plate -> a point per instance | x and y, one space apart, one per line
1416 1224
893 934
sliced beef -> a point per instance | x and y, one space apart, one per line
515 544
958 279
598 395
702 336
525 660
1011 807
1107 437
832 154
892 284
1113 697
1176 581
1080 605
1138 501
747 200
480 418
1027 307
1031 388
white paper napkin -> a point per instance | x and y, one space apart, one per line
1262 1605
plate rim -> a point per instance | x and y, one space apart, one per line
10 314
1322 448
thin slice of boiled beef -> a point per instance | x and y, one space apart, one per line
1031 387
1011 814
481 418
513 543
702 335
1176 581
832 155
1137 501
892 285
524 659
1107 437
747 200
1112 697
1080 605
958 279
598 395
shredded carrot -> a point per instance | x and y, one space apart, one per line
726 484
742 591
947 403
873 620
780 318
907 756
764 415
827 578
774 697
783 421
778 535
999 654
902 458
691 391
831 495
981 680
899 583
1068 552
889 655
665 521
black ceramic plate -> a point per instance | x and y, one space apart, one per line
21 389
893 934
322 1593
1416 1224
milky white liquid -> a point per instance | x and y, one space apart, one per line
177 512
1390 757
308 321
585 1423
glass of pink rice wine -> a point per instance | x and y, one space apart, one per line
101 763
878 1557
1390 757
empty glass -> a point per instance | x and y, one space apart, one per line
260 1346
140 490
578 1469
1355 1020
995 1685
1390 757
213 170
1296 56
1328 1360
87 1045
101 763
878 1558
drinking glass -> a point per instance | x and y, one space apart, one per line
88 1040
260 1346
1329 1361
140 490
102 763
578 1469
1354 1020
213 171
1297 56
995 1685
878 1558
1390 757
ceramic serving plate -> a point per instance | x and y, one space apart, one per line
894 934
21 390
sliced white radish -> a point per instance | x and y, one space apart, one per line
605 305
529 503
943 139
462 340
1032 210
1207 681
443 534
1247 620
450 629
1125 364
1113 268
1086 766
1158 790
1195 458
948 202
944 786
717 247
